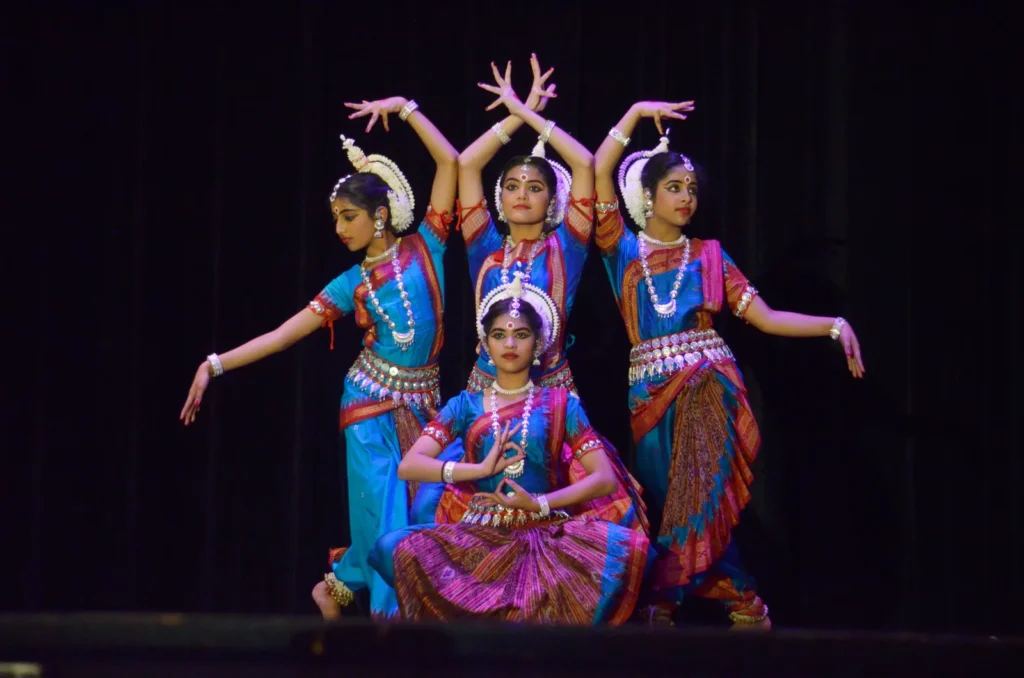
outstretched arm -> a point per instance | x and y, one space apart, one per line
579 159
476 156
442 194
301 324
787 324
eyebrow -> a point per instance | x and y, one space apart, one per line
528 181
514 329
348 209
678 181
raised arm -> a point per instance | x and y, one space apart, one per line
479 153
614 145
301 324
442 194
579 159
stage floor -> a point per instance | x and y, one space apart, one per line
205 645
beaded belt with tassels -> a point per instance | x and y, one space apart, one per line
517 519
420 386
668 354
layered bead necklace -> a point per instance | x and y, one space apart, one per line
403 339
666 309
516 469
506 263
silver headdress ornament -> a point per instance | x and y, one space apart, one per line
401 200
556 211
524 293
629 179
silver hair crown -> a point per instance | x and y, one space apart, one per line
526 293
401 199
563 178
629 179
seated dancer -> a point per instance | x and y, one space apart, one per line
396 296
695 433
526 530
547 224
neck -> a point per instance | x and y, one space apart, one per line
378 246
525 231
512 380
662 230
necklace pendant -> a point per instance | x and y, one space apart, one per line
403 339
517 469
667 309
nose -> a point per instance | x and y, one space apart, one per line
337 228
511 341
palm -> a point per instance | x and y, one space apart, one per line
379 109
540 93
662 109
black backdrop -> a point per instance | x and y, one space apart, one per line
169 166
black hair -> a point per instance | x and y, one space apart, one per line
547 173
526 311
366 191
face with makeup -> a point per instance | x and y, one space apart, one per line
675 196
354 224
512 342
525 195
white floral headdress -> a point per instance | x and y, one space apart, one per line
401 200
629 179
562 177
524 293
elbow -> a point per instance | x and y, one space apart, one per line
607 484
450 160
403 469
465 162
585 163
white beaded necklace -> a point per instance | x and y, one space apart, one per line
403 339
667 309
516 469
506 262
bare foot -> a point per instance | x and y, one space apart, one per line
763 625
328 608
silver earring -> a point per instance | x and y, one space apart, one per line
551 211
648 203
536 358
378 228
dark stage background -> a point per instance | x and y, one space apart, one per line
169 168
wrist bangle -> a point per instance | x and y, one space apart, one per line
448 472
837 328
548 127
545 509
619 136
407 110
215 364
501 133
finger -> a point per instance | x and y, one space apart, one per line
515 430
188 401
535 67
657 122
856 354
544 78
493 106
497 75
513 446
515 486
685 105
508 73
355 106
373 120
489 88
505 462
673 114
360 113
386 128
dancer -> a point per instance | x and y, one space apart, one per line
519 536
546 212
694 430
396 294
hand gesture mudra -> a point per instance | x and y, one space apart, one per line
510 495
381 108
495 461
852 349
662 109
195 395
503 88
539 93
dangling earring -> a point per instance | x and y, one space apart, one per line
551 210
536 357
648 203
378 228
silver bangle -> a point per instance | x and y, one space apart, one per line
619 136
545 509
218 367
548 126
501 133
448 472
407 110
605 207
837 328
